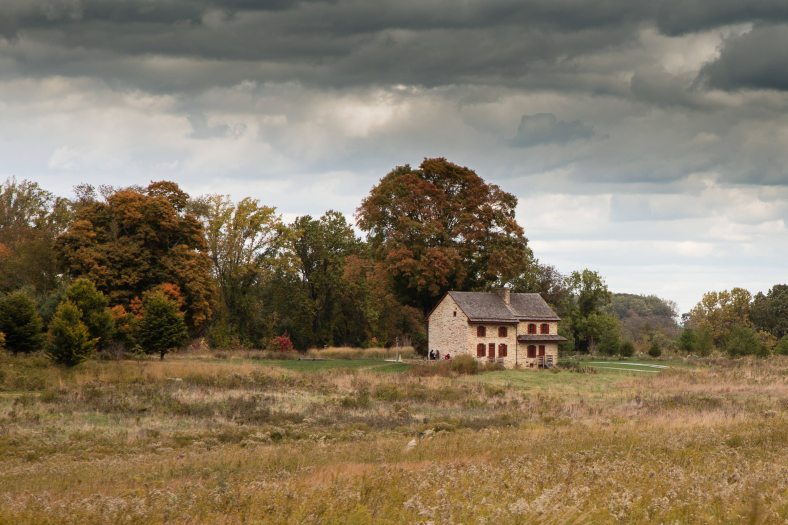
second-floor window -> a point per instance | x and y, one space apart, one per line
544 328
502 331
481 331
531 328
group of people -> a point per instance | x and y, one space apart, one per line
435 355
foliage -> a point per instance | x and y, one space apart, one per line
30 220
641 314
69 338
282 343
770 312
604 331
20 323
93 306
2 341
721 312
655 350
782 346
137 239
589 298
464 364
162 325
442 227
742 340
688 341
627 349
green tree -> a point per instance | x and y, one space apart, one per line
688 341
136 239
442 227
769 312
69 338
589 298
782 346
95 313
162 325
742 340
20 323
655 350
627 349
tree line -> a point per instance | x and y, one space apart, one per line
143 269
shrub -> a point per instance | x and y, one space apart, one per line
782 346
464 364
69 338
282 343
93 305
627 349
20 323
743 341
655 350
162 327
688 341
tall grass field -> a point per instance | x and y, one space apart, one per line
230 439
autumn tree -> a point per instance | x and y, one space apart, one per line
721 312
137 238
162 327
441 227
30 220
20 323
243 240
69 341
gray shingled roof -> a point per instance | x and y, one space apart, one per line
489 306
539 338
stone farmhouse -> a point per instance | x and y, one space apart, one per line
510 328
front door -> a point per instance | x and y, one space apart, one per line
491 351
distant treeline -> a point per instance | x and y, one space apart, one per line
145 268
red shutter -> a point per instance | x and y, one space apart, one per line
480 350
481 331
545 328
541 350
502 332
491 348
531 328
531 351
501 350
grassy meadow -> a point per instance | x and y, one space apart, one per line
234 439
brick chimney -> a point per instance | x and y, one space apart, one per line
506 295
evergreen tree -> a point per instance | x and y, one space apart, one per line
20 323
69 338
93 307
162 327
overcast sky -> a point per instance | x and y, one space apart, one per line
646 140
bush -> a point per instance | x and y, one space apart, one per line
627 349
20 323
464 364
282 343
688 341
162 327
655 350
69 338
743 341
782 346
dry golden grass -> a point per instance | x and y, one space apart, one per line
344 352
248 441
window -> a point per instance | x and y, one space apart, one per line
544 328
501 350
502 331
481 331
531 350
491 351
480 350
541 350
455 313
531 328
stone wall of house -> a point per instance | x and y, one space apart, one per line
551 349
522 327
447 330
491 336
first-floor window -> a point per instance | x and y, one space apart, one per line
480 350
531 350
501 350
491 351
541 350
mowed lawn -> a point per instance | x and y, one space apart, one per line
196 439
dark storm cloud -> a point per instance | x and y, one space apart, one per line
545 128
756 60
676 17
